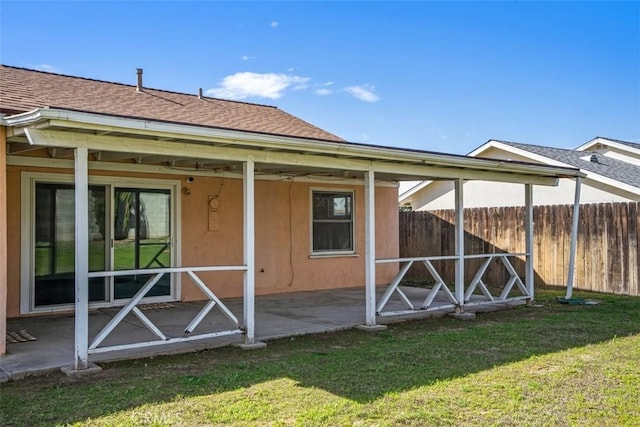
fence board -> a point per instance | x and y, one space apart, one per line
608 250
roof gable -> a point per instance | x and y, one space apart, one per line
605 166
24 90
609 141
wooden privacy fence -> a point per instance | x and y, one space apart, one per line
607 251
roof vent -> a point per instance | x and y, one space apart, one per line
139 86
199 93
594 159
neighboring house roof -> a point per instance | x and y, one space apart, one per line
24 90
630 144
588 161
618 171
618 142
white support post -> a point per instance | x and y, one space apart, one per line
370 247
81 359
459 243
528 238
248 176
574 239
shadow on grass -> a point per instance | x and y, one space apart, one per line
353 364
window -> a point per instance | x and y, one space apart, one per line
332 222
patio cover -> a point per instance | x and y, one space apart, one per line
112 141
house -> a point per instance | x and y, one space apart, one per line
116 194
612 169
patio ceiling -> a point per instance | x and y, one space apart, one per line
187 149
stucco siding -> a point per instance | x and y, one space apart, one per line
283 247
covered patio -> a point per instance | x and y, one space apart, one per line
85 142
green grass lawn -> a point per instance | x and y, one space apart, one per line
549 365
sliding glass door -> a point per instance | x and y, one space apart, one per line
142 239
130 228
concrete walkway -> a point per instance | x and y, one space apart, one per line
276 316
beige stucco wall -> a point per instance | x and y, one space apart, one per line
283 261
3 241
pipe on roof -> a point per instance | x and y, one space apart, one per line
139 85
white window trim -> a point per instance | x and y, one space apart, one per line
334 254
28 182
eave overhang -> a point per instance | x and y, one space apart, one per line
50 127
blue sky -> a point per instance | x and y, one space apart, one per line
441 76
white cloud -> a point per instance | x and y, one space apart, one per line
274 24
247 57
363 93
323 91
46 67
248 84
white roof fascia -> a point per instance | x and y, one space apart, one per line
613 183
609 142
410 192
489 144
623 157
346 149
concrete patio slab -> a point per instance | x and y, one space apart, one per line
277 316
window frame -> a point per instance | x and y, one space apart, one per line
332 252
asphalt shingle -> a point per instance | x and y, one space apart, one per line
606 166
24 90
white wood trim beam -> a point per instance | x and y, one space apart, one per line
393 286
124 311
43 162
205 290
98 350
190 150
112 156
370 247
434 172
81 359
248 195
459 242
574 239
528 239
158 129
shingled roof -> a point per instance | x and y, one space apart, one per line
591 161
23 90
